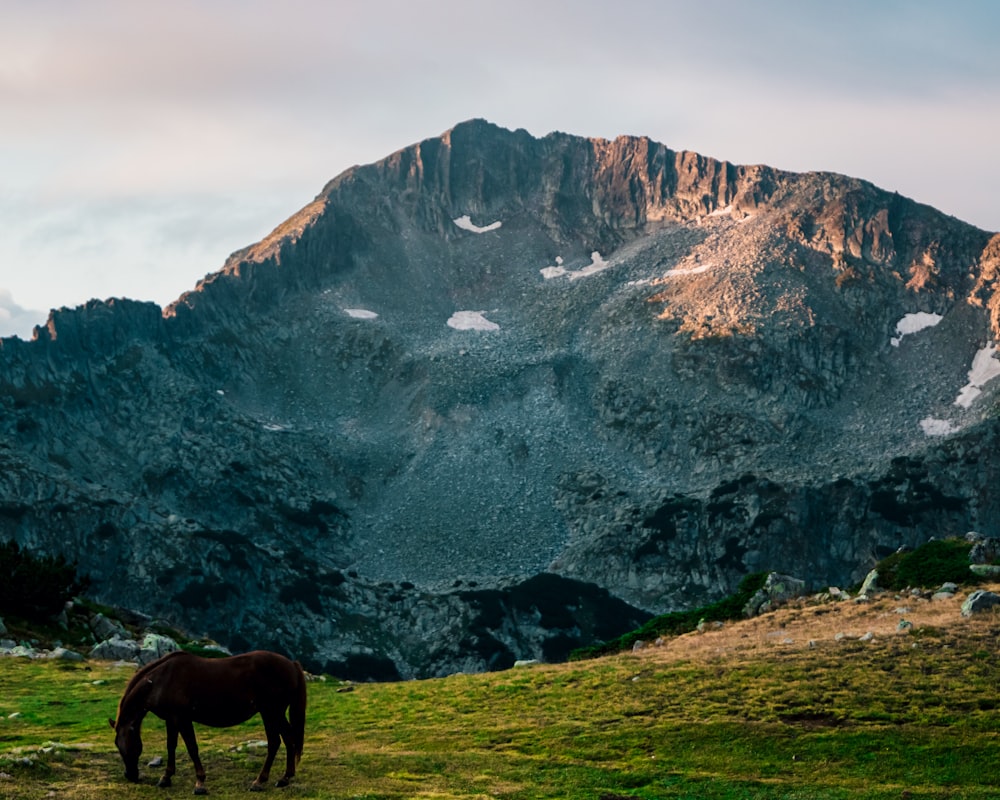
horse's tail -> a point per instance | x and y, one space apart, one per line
297 711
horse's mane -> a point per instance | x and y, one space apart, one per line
140 675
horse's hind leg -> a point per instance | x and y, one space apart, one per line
273 743
277 730
291 751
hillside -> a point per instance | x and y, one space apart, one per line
495 396
749 711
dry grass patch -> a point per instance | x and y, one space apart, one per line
808 624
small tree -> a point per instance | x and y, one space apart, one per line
35 587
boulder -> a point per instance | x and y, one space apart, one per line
979 600
985 550
63 654
870 584
777 589
154 646
105 628
116 649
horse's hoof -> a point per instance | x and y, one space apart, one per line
199 790
256 787
164 782
281 783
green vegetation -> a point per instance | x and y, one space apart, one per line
930 565
906 717
678 622
33 586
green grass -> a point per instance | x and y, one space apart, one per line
913 716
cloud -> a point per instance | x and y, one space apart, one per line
15 320
141 247
140 143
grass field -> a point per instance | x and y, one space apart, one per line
795 705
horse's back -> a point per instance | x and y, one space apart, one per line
223 691
272 668
257 660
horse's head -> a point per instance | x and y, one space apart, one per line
129 744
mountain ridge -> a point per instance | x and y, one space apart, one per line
490 362
852 240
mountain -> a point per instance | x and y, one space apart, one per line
497 396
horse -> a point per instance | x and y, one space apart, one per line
181 688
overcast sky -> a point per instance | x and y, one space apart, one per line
141 142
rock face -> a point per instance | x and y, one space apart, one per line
496 396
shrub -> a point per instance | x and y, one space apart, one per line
35 587
936 562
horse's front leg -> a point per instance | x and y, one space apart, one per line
171 755
187 733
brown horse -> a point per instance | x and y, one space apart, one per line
181 688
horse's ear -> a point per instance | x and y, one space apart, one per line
111 722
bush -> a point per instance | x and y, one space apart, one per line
35 587
936 562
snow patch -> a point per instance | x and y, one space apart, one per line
471 321
466 224
554 271
360 313
597 264
984 369
722 212
938 427
913 323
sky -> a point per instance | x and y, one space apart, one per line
141 143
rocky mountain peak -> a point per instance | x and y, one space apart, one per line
495 394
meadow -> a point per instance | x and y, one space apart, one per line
817 701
